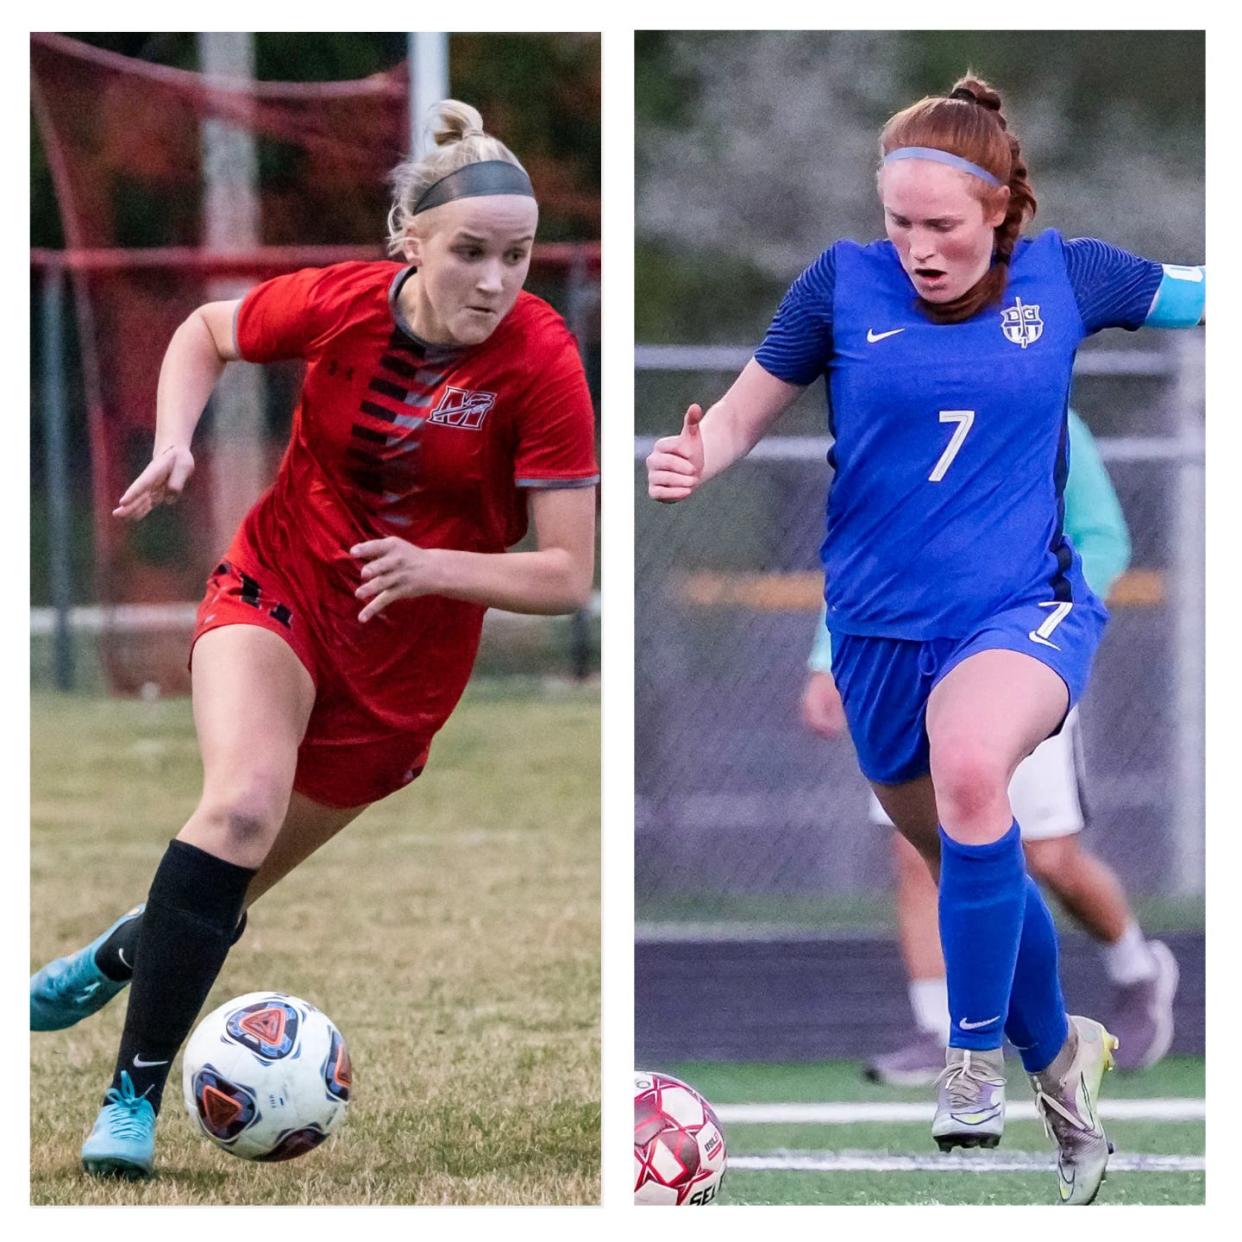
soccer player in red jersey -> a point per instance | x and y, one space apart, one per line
441 407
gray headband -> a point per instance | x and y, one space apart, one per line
475 181
942 157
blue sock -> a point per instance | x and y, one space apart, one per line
1037 1025
982 905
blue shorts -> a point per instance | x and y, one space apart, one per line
885 682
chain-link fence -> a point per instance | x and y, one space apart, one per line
739 807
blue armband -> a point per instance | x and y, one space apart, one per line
820 659
1180 298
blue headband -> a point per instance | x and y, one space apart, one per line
477 180
942 157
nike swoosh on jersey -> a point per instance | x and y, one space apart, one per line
1037 638
872 337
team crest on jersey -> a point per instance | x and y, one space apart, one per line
461 407
1021 323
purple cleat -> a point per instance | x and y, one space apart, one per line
917 1063
1143 1017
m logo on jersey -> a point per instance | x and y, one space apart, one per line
1021 323
459 407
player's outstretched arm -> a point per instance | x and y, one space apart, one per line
1181 298
710 443
556 578
195 357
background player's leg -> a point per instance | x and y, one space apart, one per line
911 808
252 699
919 1058
983 718
1085 885
918 928
916 863
1144 973
915 867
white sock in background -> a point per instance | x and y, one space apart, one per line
929 999
1129 960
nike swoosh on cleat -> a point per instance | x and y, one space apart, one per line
1065 1184
976 1119
141 1064
967 1025
121 954
872 337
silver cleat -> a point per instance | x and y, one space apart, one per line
970 1106
1065 1096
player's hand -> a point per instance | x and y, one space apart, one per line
161 483
394 570
822 712
675 466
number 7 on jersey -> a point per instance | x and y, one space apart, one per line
963 419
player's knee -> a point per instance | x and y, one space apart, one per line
247 827
243 822
970 777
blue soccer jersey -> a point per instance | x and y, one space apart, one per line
951 447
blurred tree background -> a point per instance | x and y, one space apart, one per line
756 150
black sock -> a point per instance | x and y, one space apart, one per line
117 955
186 930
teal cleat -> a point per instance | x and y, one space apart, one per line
122 1144
72 988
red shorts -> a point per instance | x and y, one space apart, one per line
347 758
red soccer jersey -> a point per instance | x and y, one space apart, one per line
395 437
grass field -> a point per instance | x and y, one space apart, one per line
855 1160
452 933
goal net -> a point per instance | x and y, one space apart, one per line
131 147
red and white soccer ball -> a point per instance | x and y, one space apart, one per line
679 1148
267 1076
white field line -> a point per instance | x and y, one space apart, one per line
1023 1110
981 1162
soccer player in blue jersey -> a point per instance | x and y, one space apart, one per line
1047 801
963 630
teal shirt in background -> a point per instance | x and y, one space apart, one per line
1093 521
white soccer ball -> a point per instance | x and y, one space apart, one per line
266 1076
679 1148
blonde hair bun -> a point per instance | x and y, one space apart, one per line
460 139
454 121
